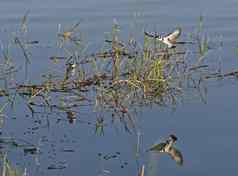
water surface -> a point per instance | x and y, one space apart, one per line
206 131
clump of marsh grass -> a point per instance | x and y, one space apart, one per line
123 75
113 81
135 76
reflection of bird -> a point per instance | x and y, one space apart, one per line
70 70
168 147
170 39
71 115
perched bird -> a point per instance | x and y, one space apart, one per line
168 147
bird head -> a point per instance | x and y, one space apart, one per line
173 138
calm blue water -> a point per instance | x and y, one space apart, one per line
207 132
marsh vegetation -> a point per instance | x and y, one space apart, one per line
114 82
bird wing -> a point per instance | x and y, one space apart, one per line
173 36
176 155
158 147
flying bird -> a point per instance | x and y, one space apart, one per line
168 147
170 39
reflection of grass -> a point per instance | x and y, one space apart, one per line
8 170
202 39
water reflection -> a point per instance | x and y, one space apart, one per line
7 169
113 85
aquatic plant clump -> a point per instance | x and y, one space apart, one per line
112 84
123 75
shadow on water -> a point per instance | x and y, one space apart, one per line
114 84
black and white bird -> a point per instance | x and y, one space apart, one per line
168 147
169 39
